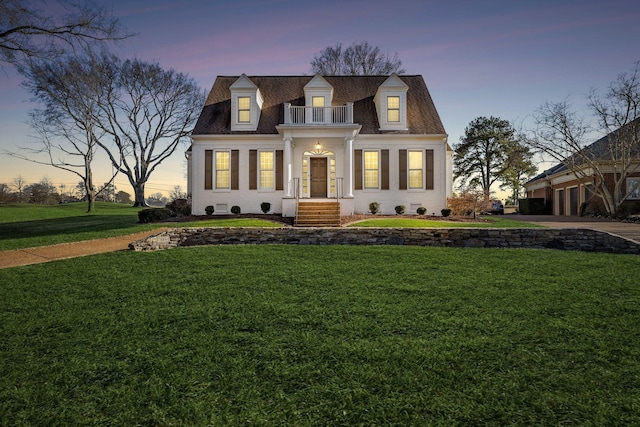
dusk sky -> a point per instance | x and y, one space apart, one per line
499 58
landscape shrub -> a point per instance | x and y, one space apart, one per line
235 210
265 206
374 207
421 210
209 210
179 207
468 202
146 216
531 206
400 209
627 209
445 212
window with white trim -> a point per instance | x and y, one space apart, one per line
393 109
416 169
244 109
371 160
633 188
223 170
267 170
318 109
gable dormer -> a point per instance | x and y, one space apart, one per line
391 104
318 92
246 104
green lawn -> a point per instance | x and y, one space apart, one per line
322 335
24 226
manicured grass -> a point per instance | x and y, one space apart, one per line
491 222
24 226
322 335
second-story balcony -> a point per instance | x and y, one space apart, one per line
305 116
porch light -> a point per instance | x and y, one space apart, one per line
318 145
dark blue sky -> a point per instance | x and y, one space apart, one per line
478 57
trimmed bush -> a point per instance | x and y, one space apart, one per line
235 210
265 206
533 206
421 210
445 212
146 216
400 209
374 207
179 207
209 210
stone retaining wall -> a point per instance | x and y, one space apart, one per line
534 238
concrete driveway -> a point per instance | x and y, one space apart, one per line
629 231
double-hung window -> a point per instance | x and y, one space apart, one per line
371 169
318 109
393 109
416 170
223 170
267 170
244 109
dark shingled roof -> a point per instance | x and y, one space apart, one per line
422 117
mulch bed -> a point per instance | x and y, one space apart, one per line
345 219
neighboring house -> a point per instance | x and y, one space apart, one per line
566 195
347 139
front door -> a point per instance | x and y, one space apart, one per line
318 177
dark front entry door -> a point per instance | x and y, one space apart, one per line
318 177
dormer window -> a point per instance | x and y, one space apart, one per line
244 109
391 104
246 105
393 109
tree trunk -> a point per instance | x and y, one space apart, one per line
88 187
139 196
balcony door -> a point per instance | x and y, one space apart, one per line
318 177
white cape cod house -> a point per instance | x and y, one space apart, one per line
350 140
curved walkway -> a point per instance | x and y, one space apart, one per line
40 254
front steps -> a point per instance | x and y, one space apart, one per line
318 214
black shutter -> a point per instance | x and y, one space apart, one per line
357 169
402 169
235 173
384 163
279 170
208 169
429 161
253 169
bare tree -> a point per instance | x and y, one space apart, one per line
177 193
18 184
148 113
564 136
45 29
69 91
358 59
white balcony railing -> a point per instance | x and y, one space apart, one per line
295 115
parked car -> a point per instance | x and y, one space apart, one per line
497 208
